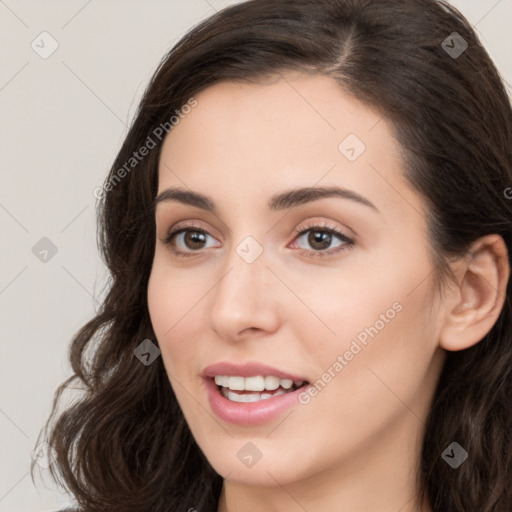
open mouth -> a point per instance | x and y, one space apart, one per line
254 389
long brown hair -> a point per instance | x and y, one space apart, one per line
125 446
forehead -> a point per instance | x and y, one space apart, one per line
292 110
245 139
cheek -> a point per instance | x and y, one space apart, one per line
393 373
172 294
168 305
376 381
176 304
346 306
377 323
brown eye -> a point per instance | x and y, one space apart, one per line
191 238
321 237
319 240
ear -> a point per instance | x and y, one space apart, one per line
475 305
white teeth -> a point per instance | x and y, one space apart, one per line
236 383
255 383
286 383
271 382
249 397
235 397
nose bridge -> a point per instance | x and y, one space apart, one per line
246 274
243 296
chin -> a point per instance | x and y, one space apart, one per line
267 471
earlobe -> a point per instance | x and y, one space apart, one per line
479 299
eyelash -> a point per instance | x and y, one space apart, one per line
322 228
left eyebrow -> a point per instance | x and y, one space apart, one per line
284 200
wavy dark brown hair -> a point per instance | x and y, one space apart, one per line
125 445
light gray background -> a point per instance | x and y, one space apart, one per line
63 120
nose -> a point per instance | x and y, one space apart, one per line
244 301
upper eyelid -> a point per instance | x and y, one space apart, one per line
191 227
310 224
319 225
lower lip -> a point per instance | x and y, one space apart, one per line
249 413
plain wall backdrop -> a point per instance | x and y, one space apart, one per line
65 111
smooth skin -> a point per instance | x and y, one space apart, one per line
355 446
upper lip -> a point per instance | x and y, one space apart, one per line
250 369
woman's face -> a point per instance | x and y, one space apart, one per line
350 314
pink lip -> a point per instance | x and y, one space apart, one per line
247 370
249 413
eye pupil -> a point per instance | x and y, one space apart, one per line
195 237
319 237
